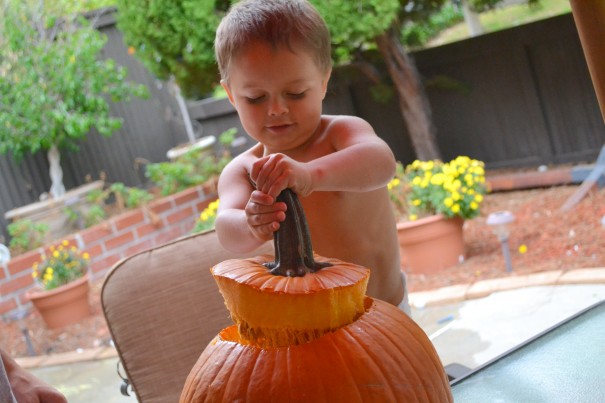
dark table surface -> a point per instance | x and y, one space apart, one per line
563 364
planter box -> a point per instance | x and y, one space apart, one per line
52 211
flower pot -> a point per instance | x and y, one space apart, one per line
431 244
63 305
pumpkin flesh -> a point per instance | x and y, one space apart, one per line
274 310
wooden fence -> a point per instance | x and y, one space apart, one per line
518 97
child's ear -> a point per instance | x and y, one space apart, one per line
324 84
228 91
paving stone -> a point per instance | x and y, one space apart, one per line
445 295
583 276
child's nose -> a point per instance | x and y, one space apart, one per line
277 106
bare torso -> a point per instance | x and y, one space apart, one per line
357 227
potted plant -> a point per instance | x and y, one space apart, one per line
61 295
431 200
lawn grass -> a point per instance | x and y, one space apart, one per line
502 18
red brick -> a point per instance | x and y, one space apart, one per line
186 196
118 241
181 215
161 205
210 188
7 306
94 251
145 229
130 219
138 247
15 284
528 180
95 233
23 262
105 264
201 206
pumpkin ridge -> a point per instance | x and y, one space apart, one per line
259 387
415 334
415 384
338 347
205 370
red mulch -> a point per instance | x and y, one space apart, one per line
554 240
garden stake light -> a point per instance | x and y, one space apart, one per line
499 222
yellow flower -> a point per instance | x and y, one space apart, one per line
448 202
474 205
412 217
478 198
522 249
35 274
455 208
416 202
438 179
204 216
65 242
56 254
86 256
416 181
214 204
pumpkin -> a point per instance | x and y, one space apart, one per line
305 332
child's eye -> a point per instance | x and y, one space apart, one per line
255 100
296 95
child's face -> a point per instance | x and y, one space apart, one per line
277 94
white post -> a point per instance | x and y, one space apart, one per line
472 20
56 172
184 111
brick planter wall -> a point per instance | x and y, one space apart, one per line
108 242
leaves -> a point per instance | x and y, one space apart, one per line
53 85
174 38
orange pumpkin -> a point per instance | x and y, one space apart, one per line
306 332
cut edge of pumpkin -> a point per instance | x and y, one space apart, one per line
267 318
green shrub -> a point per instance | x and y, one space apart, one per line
192 168
26 235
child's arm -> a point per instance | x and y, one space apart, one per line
361 162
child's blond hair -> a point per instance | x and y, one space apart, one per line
295 24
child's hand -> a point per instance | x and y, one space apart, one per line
263 214
276 172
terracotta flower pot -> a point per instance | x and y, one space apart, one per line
431 244
63 305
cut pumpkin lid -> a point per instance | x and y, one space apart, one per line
275 310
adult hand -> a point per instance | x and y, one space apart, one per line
26 387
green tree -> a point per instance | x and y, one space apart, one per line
176 38
54 88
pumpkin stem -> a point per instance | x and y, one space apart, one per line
293 249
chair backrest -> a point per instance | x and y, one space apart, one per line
162 307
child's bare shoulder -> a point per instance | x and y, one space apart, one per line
346 125
240 165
